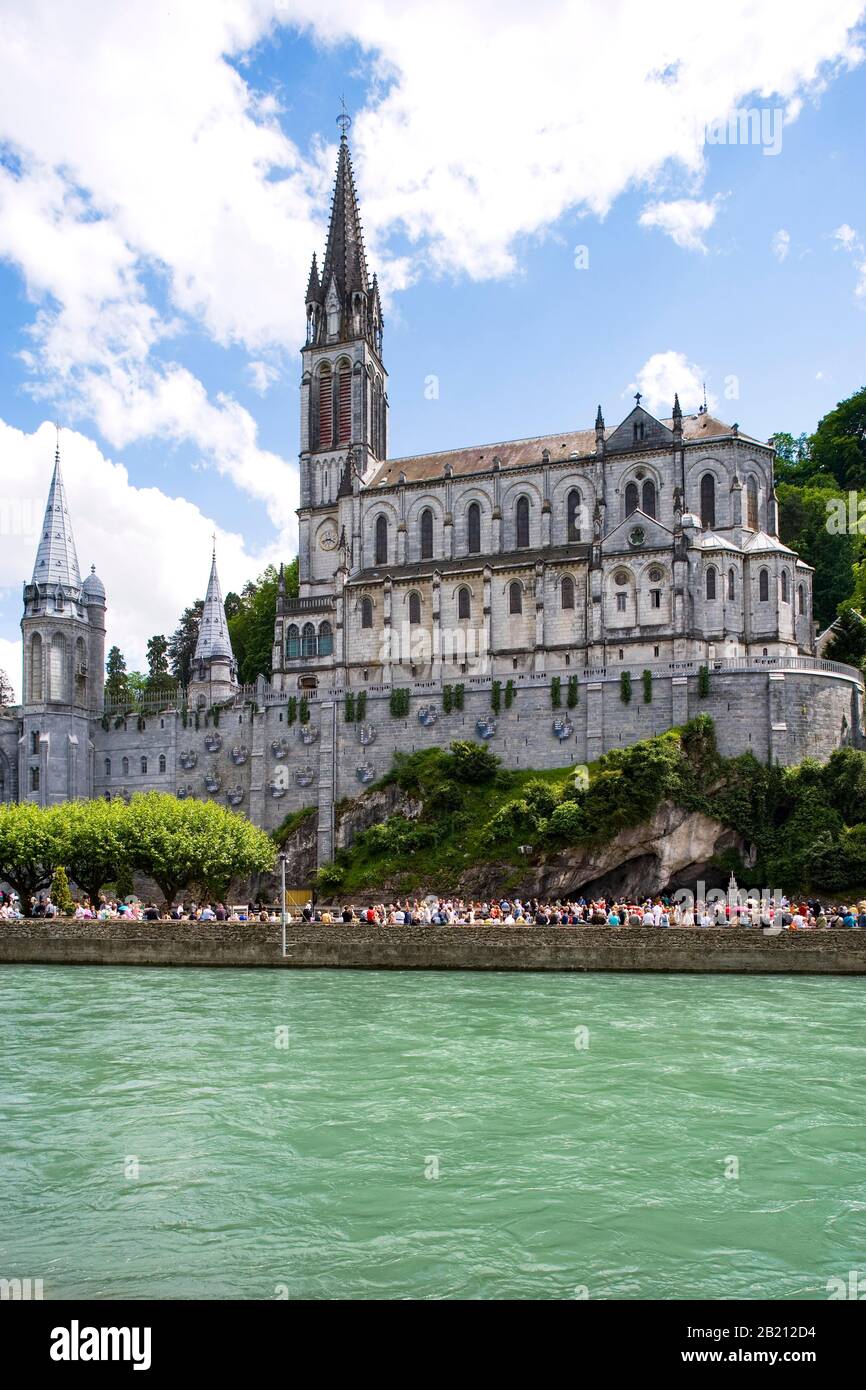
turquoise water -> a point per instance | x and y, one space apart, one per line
307 1170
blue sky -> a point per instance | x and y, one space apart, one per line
164 180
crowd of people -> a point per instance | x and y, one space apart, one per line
769 914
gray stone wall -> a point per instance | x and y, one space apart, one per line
362 947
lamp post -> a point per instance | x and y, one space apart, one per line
283 899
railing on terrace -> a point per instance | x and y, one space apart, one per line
263 694
318 603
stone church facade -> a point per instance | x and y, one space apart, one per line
651 546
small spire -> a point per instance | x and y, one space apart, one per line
314 288
344 120
599 419
678 414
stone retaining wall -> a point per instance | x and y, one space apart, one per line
366 947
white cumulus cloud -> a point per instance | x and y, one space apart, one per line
668 373
684 220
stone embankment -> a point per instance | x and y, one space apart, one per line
365 947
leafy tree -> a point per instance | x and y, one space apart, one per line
59 892
472 762
838 446
159 681
848 642
7 694
793 463
182 643
803 517
28 849
251 623
92 842
178 843
116 682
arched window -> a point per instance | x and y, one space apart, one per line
366 612
426 534
573 510
473 529
293 641
631 498
108 767
124 767
57 668
567 591
711 582
162 762
381 539
752 504
144 767
464 603
708 500
326 639
521 518
649 497
326 407
801 599
344 403
308 640
785 598
731 583
515 598
414 608
36 667
764 586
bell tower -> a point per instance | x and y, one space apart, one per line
344 401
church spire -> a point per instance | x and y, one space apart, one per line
345 258
213 633
56 560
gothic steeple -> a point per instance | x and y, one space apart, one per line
342 303
213 633
56 560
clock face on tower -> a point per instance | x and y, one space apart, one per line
328 539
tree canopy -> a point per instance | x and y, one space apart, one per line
176 843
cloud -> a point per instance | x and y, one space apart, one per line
668 373
683 220
10 662
781 244
849 241
262 376
149 190
151 551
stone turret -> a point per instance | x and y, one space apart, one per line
63 631
214 669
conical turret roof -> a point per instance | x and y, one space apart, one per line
213 633
56 560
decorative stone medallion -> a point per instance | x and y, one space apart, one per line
563 727
486 727
636 536
366 734
184 793
308 734
212 780
304 776
235 795
187 758
213 742
239 754
280 748
427 715
277 788
365 772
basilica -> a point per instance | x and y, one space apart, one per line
649 547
